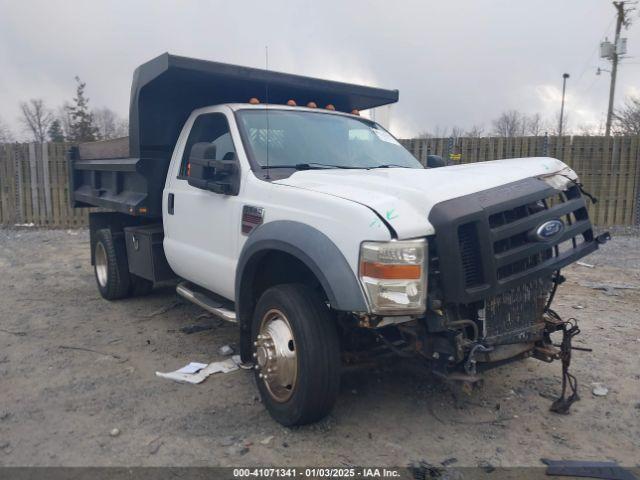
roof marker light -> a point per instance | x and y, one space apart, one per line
312 105
355 111
330 107
291 103
254 101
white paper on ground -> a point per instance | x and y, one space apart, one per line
193 367
226 366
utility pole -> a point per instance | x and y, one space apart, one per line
614 63
564 87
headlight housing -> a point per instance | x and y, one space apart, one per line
393 276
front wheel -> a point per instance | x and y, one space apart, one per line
296 353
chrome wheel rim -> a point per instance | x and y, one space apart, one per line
275 355
101 264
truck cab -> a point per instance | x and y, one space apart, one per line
315 231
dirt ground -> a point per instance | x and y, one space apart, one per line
59 403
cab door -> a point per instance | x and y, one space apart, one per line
201 230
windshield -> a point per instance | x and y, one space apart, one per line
302 139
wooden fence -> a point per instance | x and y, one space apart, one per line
34 177
34 187
609 167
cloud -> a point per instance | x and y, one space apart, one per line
455 63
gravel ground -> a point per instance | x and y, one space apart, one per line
78 384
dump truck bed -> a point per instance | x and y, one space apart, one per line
103 174
128 174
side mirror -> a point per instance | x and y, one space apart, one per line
207 173
435 161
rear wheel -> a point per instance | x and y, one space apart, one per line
296 353
110 266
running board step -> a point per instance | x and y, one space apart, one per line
208 302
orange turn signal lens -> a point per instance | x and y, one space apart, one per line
390 272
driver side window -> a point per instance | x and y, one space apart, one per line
211 128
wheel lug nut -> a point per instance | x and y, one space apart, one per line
255 355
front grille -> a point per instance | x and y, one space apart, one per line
486 240
516 252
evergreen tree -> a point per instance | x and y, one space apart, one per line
81 127
55 132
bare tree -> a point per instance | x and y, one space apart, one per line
108 123
36 118
590 130
438 132
475 131
532 125
508 124
456 132
627 118
65 118
555 123
5 133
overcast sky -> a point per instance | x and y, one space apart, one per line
455 62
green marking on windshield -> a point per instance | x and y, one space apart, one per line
376 223
391 214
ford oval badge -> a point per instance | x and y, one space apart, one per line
549 230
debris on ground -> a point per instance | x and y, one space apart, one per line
10 332
578 307
609 288
114 432
237 450
226 350
195 328
599 390
266 441
91 350
486 466
581 468
228 441
164 309
424 470
585 264
197 372
154 445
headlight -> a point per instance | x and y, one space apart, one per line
393 275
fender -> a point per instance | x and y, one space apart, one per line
311 247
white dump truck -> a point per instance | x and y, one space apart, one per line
276 206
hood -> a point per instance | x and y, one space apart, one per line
404 197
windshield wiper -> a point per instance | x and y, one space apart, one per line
307 166
388 165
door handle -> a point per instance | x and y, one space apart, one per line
170 203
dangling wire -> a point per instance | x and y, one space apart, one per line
563 403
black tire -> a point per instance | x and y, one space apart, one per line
139 286
110 266
317 354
